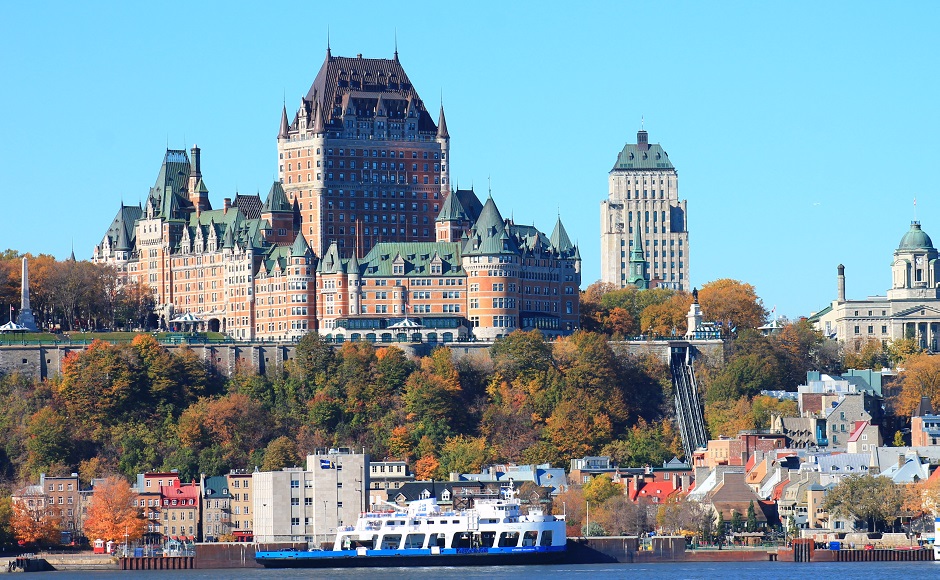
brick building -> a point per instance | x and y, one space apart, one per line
361 237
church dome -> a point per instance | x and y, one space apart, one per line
915 239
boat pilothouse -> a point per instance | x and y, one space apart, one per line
490 523
494 531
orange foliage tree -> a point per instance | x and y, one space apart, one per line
32 523
732 303
112 514
920 378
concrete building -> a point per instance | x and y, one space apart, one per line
307 505
644 224
910 309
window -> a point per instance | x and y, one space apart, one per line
295 483
295 521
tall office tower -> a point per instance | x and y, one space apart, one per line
363 162
644 193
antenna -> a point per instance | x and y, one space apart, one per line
915 209
642 122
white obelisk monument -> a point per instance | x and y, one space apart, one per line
25 317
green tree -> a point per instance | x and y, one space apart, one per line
7 537
866 498
737 523
521 354
462 454
48 440
751 518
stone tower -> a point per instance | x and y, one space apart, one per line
644 189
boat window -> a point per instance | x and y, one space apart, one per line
546 538
509 539
390 542
414 541
456 521
439 541
528 539
461 540
487 539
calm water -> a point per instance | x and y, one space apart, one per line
680 571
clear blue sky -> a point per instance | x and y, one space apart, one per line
802 131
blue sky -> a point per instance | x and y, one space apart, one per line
802 131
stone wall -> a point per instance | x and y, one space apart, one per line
45 361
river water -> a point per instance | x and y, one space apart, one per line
668 571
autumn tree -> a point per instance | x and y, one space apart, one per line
600 489
678 513
280 453
33 522
112 514
870 353
920 378
667 318
733 303
621 517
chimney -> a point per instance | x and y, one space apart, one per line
642 140
194 158
840 284
226 203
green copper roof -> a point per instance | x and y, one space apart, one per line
488 235
453 210
915 239
277 200
331 262
560 239
300 247
653 158
122 230
416 259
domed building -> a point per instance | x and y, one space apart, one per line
911 308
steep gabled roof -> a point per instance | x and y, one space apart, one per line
366 80
250 205
277 200
122 232
168 195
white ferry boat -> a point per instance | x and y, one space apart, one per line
492 532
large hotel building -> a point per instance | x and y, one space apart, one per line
644 225
360 238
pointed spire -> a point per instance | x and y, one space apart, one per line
442 126
396 45
318 121
300 246
560 239
328 54
228 240
282 134
352 266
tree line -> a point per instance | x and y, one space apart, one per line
70 295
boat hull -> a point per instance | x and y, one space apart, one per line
412 558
